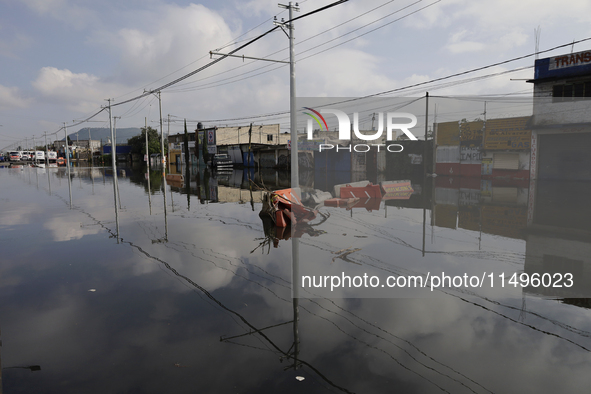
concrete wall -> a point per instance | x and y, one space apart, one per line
549 112
260 135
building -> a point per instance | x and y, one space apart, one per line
495 148
263 145
561 125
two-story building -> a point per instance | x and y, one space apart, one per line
561 124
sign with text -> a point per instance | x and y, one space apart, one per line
448 134
507 134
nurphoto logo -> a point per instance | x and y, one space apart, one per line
392 120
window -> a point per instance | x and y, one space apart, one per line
269 137
568 92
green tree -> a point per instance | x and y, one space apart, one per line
204 152
138 143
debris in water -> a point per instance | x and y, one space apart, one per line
300 378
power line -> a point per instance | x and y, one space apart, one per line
221 83
225 56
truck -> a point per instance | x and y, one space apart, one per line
52 159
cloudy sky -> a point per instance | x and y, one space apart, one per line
60 59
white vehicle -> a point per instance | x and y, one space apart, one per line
40 158
15 156
52 159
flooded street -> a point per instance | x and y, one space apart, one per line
180 287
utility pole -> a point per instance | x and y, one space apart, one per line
295 176
147 155
90 149
161 133
67 152
114 164
249 146
168 132
115 130
46 153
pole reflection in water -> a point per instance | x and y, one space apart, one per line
171 199
0 361
295 289
69 186
188 187
49 181
149 188
116 206
165 239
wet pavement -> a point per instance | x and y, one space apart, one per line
184 288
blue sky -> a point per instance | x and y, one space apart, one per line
60 59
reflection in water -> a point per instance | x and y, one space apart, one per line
202 310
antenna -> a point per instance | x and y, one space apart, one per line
537 32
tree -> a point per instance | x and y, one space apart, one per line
204 153
138 143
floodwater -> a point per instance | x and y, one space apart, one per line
182 287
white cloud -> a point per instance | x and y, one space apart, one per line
172 37
80 92
66 229
11 98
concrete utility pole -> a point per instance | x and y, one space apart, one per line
67 153
161 132
114 164
147 155
295 176
90 149
46 158
115 129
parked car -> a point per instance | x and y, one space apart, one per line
14 156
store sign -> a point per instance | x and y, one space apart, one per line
507 134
